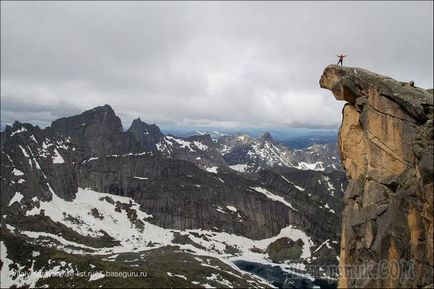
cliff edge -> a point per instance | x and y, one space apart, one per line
386 146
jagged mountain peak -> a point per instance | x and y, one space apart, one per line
266 137
19 128
99 128
205 138
98 111
103 118
101 114
148 135
138 123
17 124
105 107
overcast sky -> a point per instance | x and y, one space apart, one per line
190 64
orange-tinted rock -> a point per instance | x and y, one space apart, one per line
386 143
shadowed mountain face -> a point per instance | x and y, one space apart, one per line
97 131
148 135
386 144
87 184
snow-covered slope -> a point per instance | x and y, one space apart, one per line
83 195
199 150
94 214
247 155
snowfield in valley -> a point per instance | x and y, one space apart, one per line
135 239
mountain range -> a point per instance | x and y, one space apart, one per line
82 198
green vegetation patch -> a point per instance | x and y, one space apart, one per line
285 249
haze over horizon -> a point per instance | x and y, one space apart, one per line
202 64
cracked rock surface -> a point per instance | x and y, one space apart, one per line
386 145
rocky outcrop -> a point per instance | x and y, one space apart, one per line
386 145
249 155
325 156
34 162
148 135
197 149
181 196
96 132
318 194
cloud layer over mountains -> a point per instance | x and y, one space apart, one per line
202 63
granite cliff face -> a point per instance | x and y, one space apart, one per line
386 145
96 132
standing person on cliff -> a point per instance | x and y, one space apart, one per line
341 58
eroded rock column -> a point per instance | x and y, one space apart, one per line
386 145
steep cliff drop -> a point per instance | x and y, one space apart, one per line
386 145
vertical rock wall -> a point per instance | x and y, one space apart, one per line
386 145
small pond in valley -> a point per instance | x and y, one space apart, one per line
281 279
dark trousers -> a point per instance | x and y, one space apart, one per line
340 61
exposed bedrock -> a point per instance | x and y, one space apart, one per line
386 146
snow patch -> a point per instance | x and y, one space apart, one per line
176 275
182 143
297 187
211 169
326 243
23 129
273 197
17 172
24 151
16 198
318 166
242 168
114 223
141 178
57 159
220 210
232 209
200 145
6 275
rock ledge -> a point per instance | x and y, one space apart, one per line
386 145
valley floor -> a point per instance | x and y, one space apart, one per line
148 255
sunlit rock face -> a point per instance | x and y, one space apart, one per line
386 145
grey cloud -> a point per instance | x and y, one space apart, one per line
14 108
202 63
